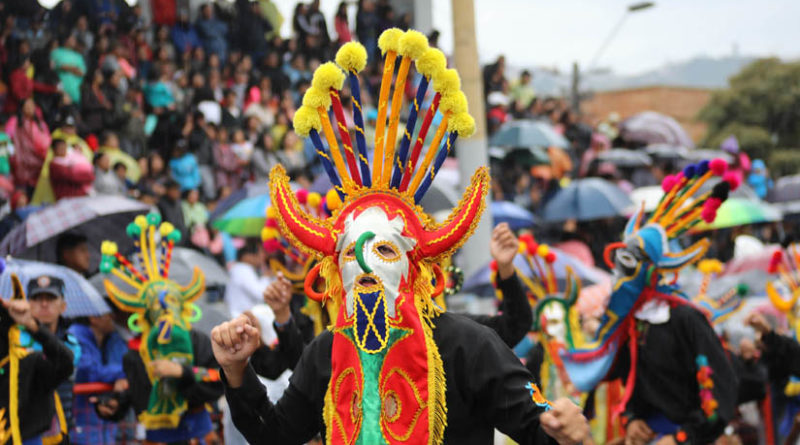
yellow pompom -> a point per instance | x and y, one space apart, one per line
709 266
543 250
431 63
390 40
333 200
314 199
523 247
446 81
268 233
108 248
316 98
165 228
140 221
352 56
462 123
328 75
306 118
455 102
413 44
272 213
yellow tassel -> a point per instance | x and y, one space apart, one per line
431 63
454 101
463 124
389 40
446 81
128 280
305 119
328 76
352 57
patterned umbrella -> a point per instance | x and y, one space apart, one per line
82 298
249 190
97 217
246 218
741 212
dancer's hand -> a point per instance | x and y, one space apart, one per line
20 311
758 322
565 423
166 368
504 247
638 433
233 342
278 295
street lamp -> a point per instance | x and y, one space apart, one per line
634 7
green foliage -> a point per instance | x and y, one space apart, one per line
784 162
761 107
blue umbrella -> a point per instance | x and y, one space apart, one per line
82 298
246 218
480 282
249 190
587 199
508 212
528 133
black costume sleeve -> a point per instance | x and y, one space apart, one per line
516 318
55 365
198 392
295 419
499 381
781 355
705 342
272 362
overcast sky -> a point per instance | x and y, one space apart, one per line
555 33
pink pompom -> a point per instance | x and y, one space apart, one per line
732 179
709 215
776 259
272 245
527 238
493 265
713 203
273 223
533 246
669 183
302 195
550 258
718 166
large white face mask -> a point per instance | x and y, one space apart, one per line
554 317
384 252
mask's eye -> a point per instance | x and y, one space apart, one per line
350 252
386 251
626 259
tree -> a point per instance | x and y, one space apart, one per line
761 107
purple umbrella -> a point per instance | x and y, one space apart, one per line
650 127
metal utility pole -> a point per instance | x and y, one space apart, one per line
472 153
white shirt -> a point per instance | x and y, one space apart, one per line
245 288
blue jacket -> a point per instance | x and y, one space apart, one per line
186 171
98 363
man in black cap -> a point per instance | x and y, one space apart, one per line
47 305
29 375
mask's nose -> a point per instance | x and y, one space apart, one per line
359 250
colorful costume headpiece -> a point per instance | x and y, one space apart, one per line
163 311
723 307
378 249
784 294
644 262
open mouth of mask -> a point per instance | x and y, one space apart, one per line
371 317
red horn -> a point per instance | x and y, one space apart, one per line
307 233
461 223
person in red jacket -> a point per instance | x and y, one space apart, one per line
71 174
22 87
31 139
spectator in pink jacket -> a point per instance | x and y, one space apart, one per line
31 139
71 174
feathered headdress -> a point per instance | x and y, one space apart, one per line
163 311
646 259
376 204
